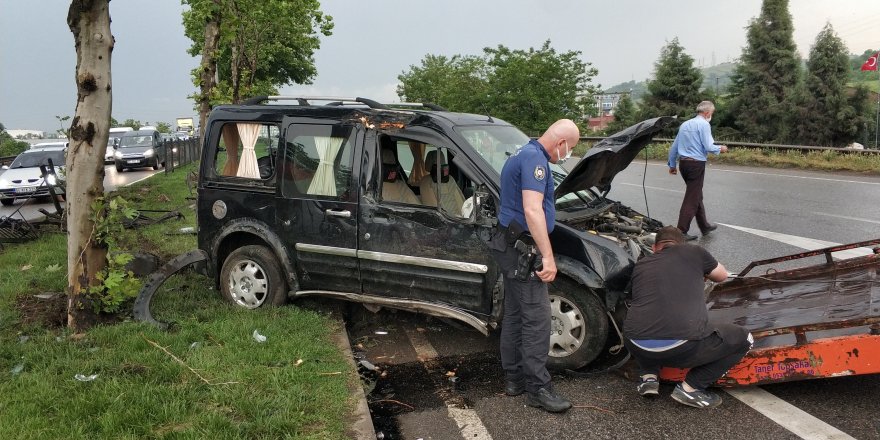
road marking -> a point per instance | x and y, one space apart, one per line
823 179
790 417
804 242
469 424
848 218
652 187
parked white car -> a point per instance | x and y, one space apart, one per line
22 179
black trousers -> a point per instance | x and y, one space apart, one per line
708 358
692 171
525 329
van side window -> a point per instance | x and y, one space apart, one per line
317 161
247 150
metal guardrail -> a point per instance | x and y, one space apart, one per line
755 145
181 152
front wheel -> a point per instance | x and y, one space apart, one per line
251 278
578 325
7 202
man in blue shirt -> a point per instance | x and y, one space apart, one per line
528 213
691 146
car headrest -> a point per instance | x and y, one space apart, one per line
388 157
433 159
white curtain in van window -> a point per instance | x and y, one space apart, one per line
248 166
324 182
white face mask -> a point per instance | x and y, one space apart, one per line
561 159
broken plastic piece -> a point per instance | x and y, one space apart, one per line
17 369
258 337
381 332
194 345
84 378
367 364
23 338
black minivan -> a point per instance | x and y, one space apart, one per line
391 206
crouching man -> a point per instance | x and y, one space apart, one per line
667 324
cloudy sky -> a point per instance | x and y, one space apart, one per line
374 41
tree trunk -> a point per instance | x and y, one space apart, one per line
208 78
89 21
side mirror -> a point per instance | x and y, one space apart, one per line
484 204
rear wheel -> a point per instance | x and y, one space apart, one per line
578 325
7 202
119 168
156 164
251 278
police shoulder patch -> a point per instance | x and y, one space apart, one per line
540 173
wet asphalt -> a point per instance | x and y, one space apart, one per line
29 208
409 395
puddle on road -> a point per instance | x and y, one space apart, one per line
397 389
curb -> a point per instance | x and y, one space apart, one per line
363 423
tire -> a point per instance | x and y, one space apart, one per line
251 278
156 164
578 325
119 168
7 202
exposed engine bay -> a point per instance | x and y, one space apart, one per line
613 220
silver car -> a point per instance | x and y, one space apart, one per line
23 179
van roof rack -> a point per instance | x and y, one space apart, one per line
337 101
305 100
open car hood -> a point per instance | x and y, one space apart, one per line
610 156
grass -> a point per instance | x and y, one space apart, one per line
813 160
294 385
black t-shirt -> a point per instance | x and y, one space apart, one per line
667 295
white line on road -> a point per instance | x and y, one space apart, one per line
803 242
858 219
652 187
787 415
824 179
469 424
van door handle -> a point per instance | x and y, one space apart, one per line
343 214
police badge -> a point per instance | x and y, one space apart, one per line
540 173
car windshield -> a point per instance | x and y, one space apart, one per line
136 141
497 143
37 158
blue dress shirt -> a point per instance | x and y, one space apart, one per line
694 140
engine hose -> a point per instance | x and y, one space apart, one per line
608 227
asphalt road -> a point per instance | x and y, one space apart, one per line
438 380
29 209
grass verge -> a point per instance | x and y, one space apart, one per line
768 157
223 384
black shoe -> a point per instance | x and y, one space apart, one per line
711 227
548 400
514 387
697 398
689 237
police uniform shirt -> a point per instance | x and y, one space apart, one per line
527 169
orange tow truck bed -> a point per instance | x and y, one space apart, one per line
813 322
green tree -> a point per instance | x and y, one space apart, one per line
824 114
163 127
61 121
457 83
132 123
529 88
769 69
675 89
535 87
8 145
625 114
262 44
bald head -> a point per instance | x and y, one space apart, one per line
561 137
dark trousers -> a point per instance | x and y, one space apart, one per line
708 358
525 329
692 171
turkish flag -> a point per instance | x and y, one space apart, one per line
871 63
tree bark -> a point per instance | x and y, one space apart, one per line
89 21
208 75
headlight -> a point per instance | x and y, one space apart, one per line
51 179
149 153
117 154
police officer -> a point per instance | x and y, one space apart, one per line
528 214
